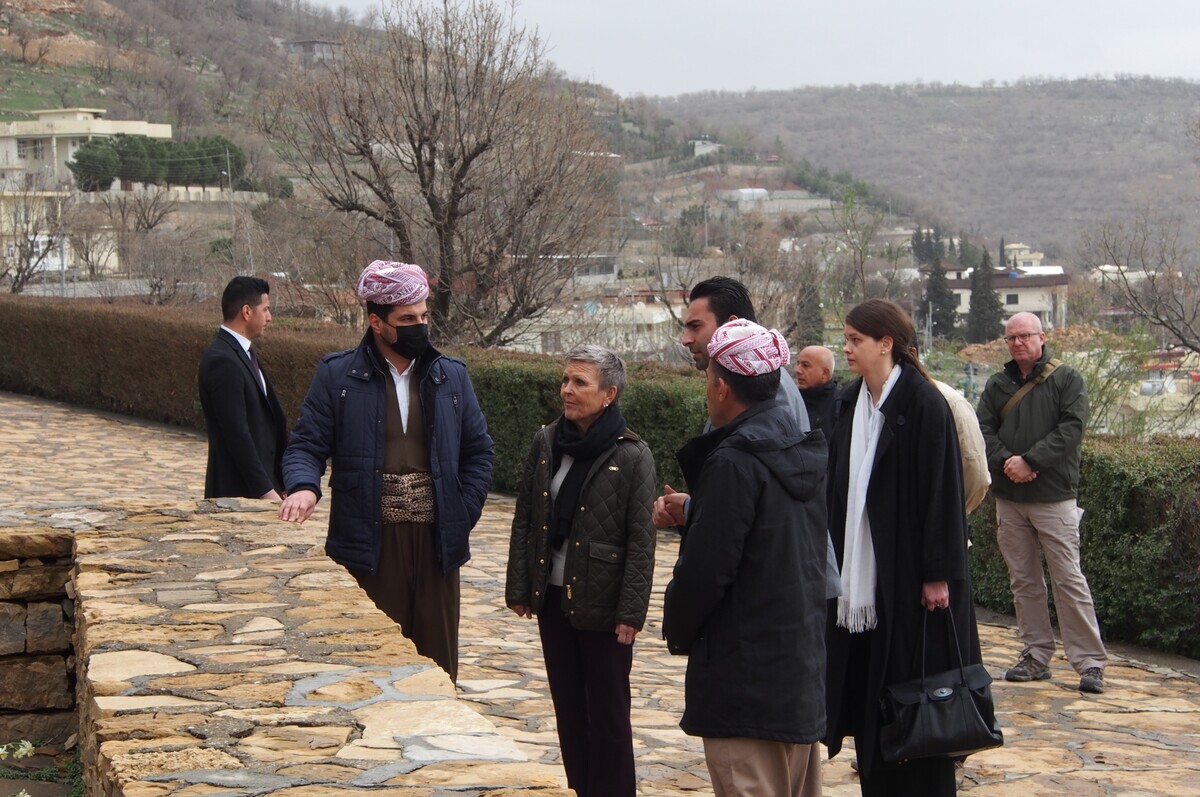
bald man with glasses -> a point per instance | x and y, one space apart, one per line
1032 415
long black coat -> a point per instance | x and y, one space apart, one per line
918 531
747 601
247 431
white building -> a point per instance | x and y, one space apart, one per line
37 152
1041 290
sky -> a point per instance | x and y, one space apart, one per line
670 47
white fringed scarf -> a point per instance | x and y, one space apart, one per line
856 606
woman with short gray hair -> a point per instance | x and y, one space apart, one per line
581 559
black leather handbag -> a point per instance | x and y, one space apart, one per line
942 714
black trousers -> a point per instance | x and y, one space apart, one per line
588 673
927 777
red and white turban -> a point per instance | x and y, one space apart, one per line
391 283
743 347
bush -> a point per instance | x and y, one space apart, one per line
1140 542
142 361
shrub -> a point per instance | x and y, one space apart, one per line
142 361
1140 542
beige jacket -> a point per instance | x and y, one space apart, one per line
976 478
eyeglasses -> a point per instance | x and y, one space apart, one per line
1024 336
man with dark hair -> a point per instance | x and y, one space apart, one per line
711 303
412 461
748 592
247 430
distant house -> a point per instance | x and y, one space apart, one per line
771 203
1041 290
702 147
36 153
311 52
1022 256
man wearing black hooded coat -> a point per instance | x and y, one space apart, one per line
747 601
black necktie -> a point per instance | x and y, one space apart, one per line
257 370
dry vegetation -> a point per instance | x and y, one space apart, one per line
1037 161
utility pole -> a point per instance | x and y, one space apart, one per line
232 217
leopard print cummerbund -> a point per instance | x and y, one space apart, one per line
408 498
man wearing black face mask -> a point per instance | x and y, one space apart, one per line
412 461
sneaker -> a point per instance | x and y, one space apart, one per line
1029 669
1092 681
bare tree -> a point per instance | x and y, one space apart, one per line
134 215
172 271
93 238
32 230
320 252
853 225
34 49
1151 270
441 127
141 210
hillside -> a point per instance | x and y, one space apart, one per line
1039 161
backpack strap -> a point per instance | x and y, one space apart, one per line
1029 385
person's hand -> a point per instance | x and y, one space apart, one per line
935 595
298 506
1018 470
626 633
668 509
271 496
522 610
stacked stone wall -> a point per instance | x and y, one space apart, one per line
37 656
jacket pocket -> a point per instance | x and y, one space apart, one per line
613 554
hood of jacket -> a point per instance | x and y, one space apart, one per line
769 433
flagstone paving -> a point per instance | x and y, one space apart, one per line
1140 739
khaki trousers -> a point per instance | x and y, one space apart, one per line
1025 533
761 768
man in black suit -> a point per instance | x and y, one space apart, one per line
247 430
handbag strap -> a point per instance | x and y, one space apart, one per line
962 671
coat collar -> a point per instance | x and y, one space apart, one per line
1014 372
893 417
368 361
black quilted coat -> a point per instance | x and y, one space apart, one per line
610 553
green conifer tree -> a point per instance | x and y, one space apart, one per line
985 314
943 301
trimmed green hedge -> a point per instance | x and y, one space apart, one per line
1140 542
142 361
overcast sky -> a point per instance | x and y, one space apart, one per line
667 47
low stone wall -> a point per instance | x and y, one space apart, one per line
37 662
222 653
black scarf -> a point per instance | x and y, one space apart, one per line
599 437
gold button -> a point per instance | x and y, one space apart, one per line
583 509
537 594
541 561
576 544
545 494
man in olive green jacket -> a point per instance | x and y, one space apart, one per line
1033 447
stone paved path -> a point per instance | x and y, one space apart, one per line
1141 739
